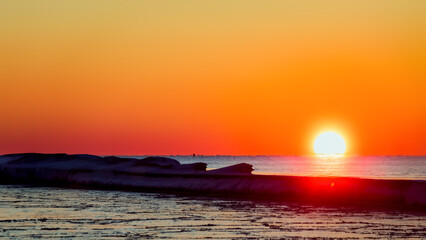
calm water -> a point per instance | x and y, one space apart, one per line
41 212
405 167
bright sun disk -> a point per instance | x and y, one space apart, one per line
329 143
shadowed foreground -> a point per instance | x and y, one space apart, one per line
161 174
46 212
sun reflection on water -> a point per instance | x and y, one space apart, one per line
330 164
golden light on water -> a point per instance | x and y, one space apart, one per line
329 143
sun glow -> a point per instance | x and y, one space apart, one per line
329 143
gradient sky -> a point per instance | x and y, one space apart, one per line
212 77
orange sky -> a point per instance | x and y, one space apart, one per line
212 77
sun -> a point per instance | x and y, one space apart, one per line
329 143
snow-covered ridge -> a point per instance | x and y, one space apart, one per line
86 162
166 174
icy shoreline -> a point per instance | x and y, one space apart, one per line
168 175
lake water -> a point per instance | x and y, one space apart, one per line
399 167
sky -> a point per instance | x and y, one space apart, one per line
212 77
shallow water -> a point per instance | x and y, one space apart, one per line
44 212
